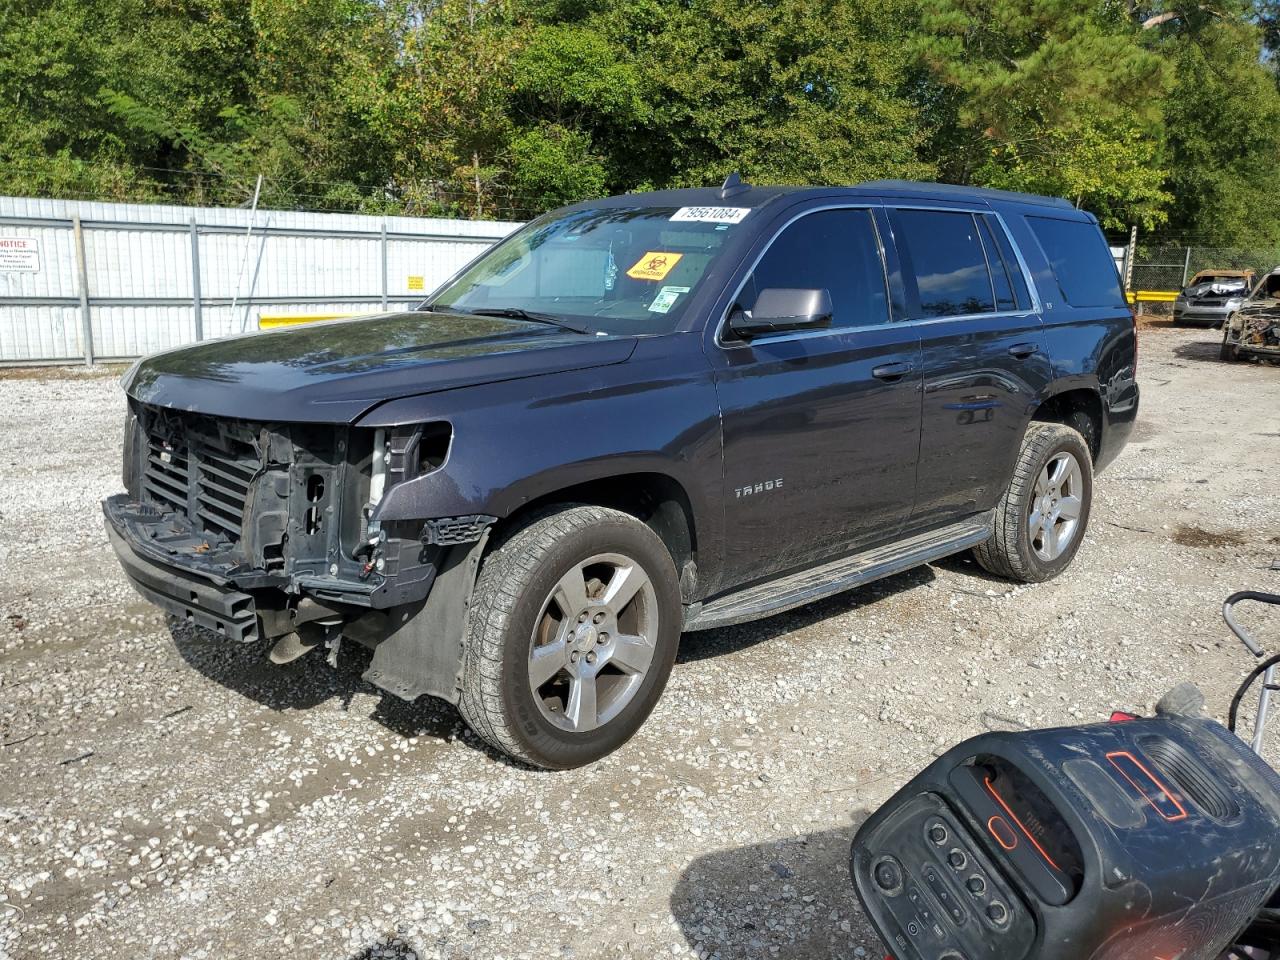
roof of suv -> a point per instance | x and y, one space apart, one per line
745 195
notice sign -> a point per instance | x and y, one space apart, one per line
19 255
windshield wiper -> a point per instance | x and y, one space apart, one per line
519 313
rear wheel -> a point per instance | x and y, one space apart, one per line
1041 519
572 635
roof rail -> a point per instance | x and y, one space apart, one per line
959 192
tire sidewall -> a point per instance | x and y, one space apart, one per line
1229 351
1040 570
550 745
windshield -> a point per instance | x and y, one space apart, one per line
1268 287
612 269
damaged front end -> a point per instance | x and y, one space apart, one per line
1210 303
1254 330
262 530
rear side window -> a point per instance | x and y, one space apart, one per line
1004 263
1000 276
833 250
948 261
1081 261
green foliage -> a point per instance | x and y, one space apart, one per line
1112 168
1142 113
1052 96
1223 122
555 165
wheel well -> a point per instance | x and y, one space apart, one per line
1069 407
654 498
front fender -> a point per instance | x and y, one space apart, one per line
519 441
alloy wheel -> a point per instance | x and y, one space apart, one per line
593 642
1054 519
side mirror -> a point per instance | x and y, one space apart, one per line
778 309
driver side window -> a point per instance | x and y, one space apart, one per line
835 250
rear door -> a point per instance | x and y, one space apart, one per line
821 428
983 352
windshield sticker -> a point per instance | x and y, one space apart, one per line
654 265
666 299
610 271
711 214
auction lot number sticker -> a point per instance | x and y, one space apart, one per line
711 214
19 255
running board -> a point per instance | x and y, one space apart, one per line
837 576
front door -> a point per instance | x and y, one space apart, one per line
984 357
821 428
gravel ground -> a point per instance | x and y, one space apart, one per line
163 794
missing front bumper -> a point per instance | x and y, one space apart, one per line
224 610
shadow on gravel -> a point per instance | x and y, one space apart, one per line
788 898
307 682
965 565
713 643
1203 350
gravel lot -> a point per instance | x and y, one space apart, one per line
163 794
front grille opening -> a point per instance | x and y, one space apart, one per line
1190 777
168 473
226 473
201 468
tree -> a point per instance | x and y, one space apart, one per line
1054 96
1113 168
784 92
1143 112
1223 127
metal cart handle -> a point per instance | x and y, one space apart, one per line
1269 678
1228 615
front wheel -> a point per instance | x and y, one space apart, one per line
572 635
1041 519
1230 352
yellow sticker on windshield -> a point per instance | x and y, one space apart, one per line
654 265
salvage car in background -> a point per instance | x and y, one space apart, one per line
1212 297
1254 329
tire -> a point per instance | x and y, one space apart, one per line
1013 550
1230 352
528 619
1184 700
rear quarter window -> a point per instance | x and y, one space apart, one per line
1081 261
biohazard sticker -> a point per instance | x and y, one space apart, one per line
654 265
711 214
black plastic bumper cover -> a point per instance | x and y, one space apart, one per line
227 612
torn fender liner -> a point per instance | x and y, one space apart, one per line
423 651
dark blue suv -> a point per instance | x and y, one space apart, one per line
635 417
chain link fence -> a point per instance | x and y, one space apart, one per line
1169 266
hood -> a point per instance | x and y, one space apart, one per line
1218 288
334 372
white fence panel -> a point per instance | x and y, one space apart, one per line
162 276
33 334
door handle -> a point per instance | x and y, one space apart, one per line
1020 351
891 371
